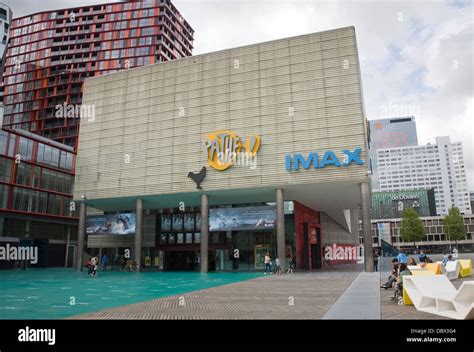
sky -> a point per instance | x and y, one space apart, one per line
416 57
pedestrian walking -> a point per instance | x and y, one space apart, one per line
376 261
105 262
94 265
277 266
268 264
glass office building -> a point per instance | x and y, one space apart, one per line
50 55
36 181
390 133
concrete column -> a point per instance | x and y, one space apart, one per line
81 235
368 250
139 233
204 233
280 208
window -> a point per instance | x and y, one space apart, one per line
40 156
55 157
42 202
36 177
3 141
23 174
5 169
47 154
25 149
3 196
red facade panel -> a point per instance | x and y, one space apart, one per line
305 215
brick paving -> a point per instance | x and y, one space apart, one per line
268 297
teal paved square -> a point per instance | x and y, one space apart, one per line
47 293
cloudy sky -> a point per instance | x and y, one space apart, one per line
416 56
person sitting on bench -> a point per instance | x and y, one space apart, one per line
399 281
393 275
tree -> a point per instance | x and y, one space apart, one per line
454 225
411 228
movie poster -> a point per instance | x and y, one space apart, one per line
189 222
178 222
248 218
163 238
172 238
198 221
165 222
116 224
189 237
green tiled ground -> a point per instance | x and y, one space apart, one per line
46 293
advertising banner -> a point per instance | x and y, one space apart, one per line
248 218
384 232
117 224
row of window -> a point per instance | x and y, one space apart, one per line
30 150
53 15
35 201
141 51
35 176
437 237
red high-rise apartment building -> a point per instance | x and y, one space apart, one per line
51 53
49 56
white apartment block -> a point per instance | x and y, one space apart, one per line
439 166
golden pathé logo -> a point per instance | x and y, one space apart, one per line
224 149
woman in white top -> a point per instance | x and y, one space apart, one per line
268 264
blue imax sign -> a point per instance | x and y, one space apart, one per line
329 158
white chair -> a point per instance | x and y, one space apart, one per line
451 269
435 294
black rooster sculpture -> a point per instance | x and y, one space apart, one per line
198 177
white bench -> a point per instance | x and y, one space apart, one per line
416 268
435 294
451 270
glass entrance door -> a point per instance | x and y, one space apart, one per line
252 247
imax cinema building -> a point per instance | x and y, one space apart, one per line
211 161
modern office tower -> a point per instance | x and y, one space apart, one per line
5 21
390 133
439 166
51 53
471 196
36 180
